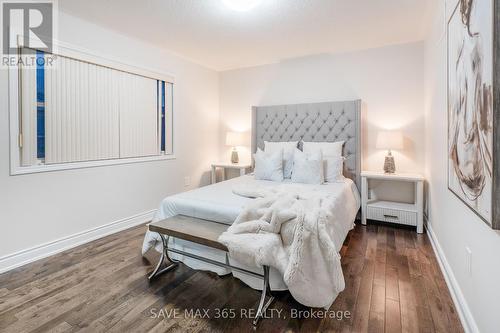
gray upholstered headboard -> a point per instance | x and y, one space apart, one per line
321 122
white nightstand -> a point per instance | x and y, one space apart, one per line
391 211
228 165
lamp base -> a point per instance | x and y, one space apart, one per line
234 157
389 166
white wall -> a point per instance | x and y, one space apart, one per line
388 80
454 225
39 208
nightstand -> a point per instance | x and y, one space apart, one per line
228 165
391 211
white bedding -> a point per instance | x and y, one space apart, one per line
218 203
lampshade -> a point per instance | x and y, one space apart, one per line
234 139
390 140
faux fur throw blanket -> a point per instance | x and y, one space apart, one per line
287 229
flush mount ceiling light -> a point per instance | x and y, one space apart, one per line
241 5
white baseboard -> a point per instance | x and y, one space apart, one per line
24 257
468 322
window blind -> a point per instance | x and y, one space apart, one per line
138 116
80 111
28 116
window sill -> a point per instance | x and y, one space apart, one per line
17 170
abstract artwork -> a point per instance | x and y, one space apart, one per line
471 107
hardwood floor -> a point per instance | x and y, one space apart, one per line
393 284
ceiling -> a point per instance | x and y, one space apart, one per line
214 35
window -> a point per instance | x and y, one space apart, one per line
77 110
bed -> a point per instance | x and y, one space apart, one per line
320 122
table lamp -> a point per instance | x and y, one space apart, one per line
234 139
389 140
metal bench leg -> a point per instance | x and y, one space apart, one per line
165 246
265 289
164 254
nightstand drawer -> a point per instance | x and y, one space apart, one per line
391 215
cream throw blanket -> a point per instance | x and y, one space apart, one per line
288 230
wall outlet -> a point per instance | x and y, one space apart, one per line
468 260
187 181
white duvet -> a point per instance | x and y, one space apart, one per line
218 203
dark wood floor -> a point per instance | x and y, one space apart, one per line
393 284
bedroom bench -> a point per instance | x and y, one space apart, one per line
206 233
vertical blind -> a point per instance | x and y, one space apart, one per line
79 111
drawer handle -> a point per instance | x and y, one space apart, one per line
390 216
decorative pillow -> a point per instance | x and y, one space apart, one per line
307 168
334 168
288 150
332 155
269 166
329 149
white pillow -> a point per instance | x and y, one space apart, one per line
329 149
288 150
307 168
332 155
334 169
269 166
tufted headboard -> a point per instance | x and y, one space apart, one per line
320 122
